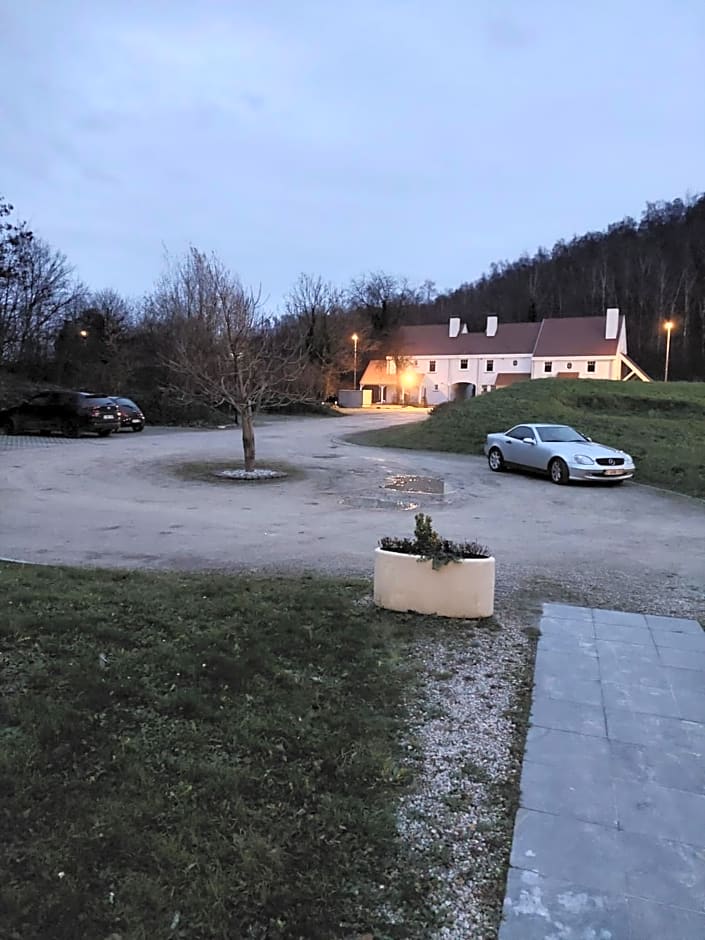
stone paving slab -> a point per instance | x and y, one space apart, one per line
609 840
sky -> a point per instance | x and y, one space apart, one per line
424 139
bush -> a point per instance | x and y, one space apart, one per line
429 545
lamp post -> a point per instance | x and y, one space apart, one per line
83 333
355 338
668 326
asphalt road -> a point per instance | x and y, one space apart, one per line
116 502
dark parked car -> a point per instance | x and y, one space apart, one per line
67 412
130 414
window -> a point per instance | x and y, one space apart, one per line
435 388
41 400
489 365
591 365
463 363
548 367
391 367
570 365
514 362
520 432
560 434
432 365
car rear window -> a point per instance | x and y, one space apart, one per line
97 399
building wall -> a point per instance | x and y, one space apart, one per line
448 373
438 386
605 368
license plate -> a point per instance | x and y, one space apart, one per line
613 473
135 420
108 418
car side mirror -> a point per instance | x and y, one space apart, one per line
528 440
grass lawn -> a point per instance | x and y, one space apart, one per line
662 426
204 756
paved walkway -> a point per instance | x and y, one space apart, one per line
609 842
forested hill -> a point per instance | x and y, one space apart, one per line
652 269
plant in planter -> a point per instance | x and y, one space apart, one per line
432 575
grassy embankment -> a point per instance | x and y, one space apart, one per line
662 426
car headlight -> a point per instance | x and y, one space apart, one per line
583 459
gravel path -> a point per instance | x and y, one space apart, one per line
469 726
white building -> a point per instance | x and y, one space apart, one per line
437 363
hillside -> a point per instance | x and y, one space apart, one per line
662 426
652 268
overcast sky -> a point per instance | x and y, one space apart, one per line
427 139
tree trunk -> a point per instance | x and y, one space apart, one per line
248 437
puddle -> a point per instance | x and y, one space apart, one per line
378 502
410 483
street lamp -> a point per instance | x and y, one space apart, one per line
668 326
83 333
355 338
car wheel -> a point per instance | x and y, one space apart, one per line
105 433
558 470
496 460
140 427
8 427
71 429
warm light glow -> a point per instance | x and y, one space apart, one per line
354 337
407 378
83 333
668 325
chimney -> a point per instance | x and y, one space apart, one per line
453 326
491 329
612 323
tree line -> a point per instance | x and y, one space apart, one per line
201 339
652 269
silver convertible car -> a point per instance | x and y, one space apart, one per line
558 450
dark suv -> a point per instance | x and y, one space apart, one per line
68 412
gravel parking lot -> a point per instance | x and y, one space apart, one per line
116 502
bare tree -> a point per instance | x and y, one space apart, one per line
34 303
386 300
224 349
314 310
93 344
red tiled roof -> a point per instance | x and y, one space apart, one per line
376 374
509 338
433 340
566 336
575 336
505 379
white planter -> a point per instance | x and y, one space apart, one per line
462 588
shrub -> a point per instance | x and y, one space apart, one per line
429 545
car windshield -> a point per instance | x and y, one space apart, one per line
559 433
